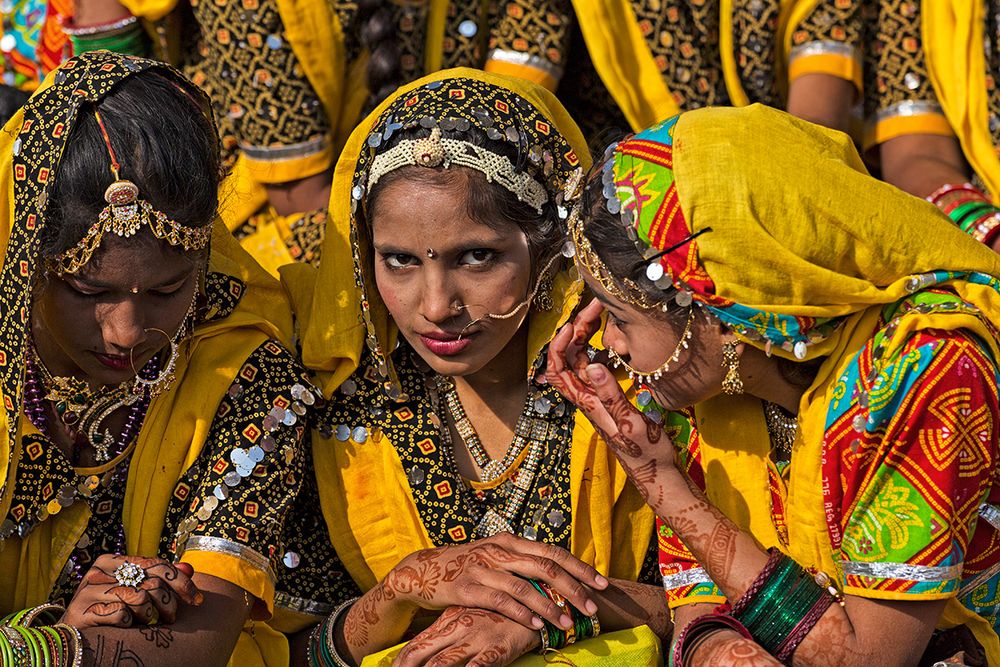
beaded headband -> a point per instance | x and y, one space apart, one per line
124 215
435 151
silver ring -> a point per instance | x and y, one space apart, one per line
129 574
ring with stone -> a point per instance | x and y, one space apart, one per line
129 574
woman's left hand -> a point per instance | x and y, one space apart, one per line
473 637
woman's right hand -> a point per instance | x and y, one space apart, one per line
490 574
101 600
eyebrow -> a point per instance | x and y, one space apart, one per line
96 284
607 304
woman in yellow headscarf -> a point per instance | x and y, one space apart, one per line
831 363
931 107
149 445
444 467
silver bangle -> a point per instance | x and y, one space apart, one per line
331 625
101 28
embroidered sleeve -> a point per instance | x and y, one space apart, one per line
830 40
910 448
312 580
260 90
235 498
899 95
531 36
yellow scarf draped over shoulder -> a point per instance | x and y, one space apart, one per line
374 531
178 421
625 64
829 241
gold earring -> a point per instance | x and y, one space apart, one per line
543 296
731 384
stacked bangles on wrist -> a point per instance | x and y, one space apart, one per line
583 627
970 209
124 35
33 637
321 650
782 605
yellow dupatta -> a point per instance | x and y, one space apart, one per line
626 65
371 530
823 243
176 422
952 32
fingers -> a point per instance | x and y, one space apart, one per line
186 568
574 568
176 579
112 614
163 597
521 610
587 322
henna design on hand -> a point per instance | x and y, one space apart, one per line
161 636
103 655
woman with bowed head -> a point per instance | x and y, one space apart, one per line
819 386
151 425
451 483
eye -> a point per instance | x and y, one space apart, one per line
398 260
165 292
615 321
82 293
478 257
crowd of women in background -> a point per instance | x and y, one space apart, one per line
343 333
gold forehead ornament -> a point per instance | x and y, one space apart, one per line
124 216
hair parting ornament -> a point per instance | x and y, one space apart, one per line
124 215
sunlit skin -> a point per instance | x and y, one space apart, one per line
484 269
109 310
849 635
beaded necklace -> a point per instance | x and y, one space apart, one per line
82 410
531 432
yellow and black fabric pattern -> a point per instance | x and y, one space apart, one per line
658 57
878 45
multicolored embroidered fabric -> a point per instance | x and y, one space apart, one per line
645 191
909 449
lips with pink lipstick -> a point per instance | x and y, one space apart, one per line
118 362
446 344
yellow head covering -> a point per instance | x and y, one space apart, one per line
338 312
177 422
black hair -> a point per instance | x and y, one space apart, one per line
378 36
486 202
165 143
11 99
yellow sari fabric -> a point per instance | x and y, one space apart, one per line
824 242
366 500
176 423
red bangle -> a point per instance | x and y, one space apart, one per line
699 628
952 187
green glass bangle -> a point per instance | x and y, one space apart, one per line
775 588
131 42
34 652
6 650
964 213
783 617
56 645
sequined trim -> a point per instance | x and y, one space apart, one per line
224 546
696 575
990 514
910 108
824 47
289 152
901 571
302 605
526 60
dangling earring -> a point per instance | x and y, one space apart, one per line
731 384
543 295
